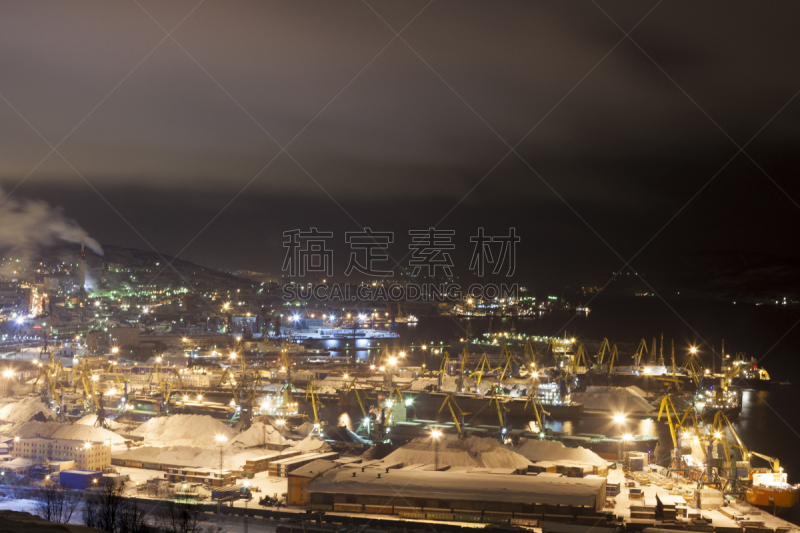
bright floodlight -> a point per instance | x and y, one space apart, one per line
436 433
345 376
392 361
717 435
362 317
402 354
619 418
185 398
693 349
280 421
220 438
8 374
627 437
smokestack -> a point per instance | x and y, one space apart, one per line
82 270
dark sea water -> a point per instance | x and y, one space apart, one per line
770 420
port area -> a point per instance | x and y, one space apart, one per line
650 487
622 512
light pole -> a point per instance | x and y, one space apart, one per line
221 439
7 375
435 434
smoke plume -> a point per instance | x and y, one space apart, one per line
27 226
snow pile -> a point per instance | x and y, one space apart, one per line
258 435
326 389
183 430
312 444
192 456
304 429
548 450
17 411
636 390
91 420
67 431
456 452
612 399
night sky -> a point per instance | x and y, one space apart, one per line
160 137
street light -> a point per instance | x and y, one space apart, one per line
221 439
619 418
435 434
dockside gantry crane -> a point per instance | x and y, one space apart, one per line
456 412
640 352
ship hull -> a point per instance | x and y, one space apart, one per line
427 403
646 382
770 498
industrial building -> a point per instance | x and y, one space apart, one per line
87 455
123 336
205 476
454 491
79 479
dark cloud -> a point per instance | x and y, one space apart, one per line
392 142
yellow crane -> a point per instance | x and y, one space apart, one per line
507 355
444 365
674 420
600 357
52 373
581 358
692 368
538 409
355 389
316 405
450 402
465 360
112 369
612 358
483 365
530 351
640 351
499 406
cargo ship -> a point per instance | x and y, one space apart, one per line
426 404
651 378
317 329
753 377
772 491
709 401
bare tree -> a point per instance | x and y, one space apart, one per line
55 504
180 517
91 511
103 509
132 518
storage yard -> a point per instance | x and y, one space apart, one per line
272 443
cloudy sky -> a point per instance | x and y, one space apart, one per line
210 128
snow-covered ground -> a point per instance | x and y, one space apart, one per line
623 504
548 450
